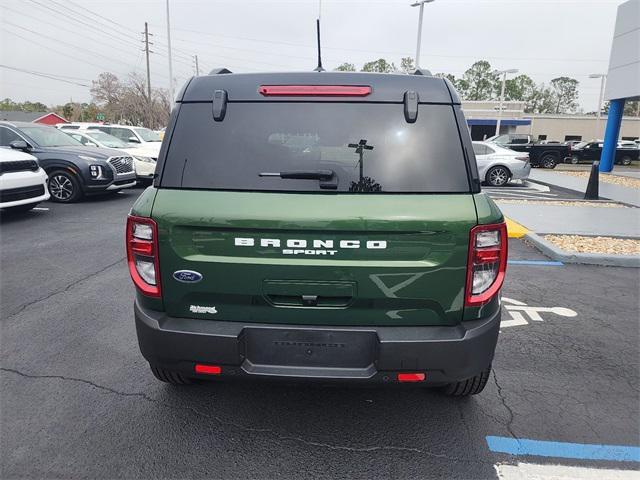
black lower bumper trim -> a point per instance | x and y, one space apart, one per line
444 353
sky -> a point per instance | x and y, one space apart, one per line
75 40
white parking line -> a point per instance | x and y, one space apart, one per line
529 471
41 209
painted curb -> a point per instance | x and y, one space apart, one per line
514 229
556 253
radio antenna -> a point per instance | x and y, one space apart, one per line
319 67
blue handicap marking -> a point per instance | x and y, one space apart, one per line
542 263
583 451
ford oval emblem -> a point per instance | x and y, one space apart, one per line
187 276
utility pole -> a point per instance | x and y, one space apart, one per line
504 81
171 92
195 58
420 4
147 52
602 78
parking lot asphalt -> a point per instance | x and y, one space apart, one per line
529 191
78 400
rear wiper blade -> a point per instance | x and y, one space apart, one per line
302 174
328 178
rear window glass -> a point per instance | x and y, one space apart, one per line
369 148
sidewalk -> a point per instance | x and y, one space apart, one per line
618 193
574 220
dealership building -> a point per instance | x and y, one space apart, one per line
482 118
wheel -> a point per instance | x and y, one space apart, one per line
575 159
626 160
64 187
549 161
21 208
498 176
470 386
167 376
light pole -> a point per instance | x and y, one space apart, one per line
171 93
603 78
420 3
504 81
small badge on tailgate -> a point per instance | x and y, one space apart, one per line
202 309
187 276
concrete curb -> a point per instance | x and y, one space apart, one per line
556 253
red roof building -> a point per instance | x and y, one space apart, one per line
50 119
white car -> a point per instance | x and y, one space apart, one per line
135 136
498 165
144 157
23 184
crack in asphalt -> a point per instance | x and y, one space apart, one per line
63 290
509 425
278 437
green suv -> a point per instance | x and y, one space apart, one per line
325 226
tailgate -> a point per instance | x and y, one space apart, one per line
320 259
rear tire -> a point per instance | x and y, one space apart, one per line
470 386
549 161
626 160
575 159
168 376
498 176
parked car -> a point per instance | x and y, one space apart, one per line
498 165
23 184
132 136
73 169
546 155
322 226
572 143
77 125
627 144
143 159
591 151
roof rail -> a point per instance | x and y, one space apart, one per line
219 71
423 71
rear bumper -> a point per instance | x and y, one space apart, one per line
371 354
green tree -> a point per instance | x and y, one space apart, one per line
461 86
566 94
520 88
481 79
346 67
631 108
67 111
380 65
8 104
542 100
407 65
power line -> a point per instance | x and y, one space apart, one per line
387 52
75 47
45 75
64 54
72 16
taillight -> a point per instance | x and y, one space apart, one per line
142 254
314 90
487 263
524 158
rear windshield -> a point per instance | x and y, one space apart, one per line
367 148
